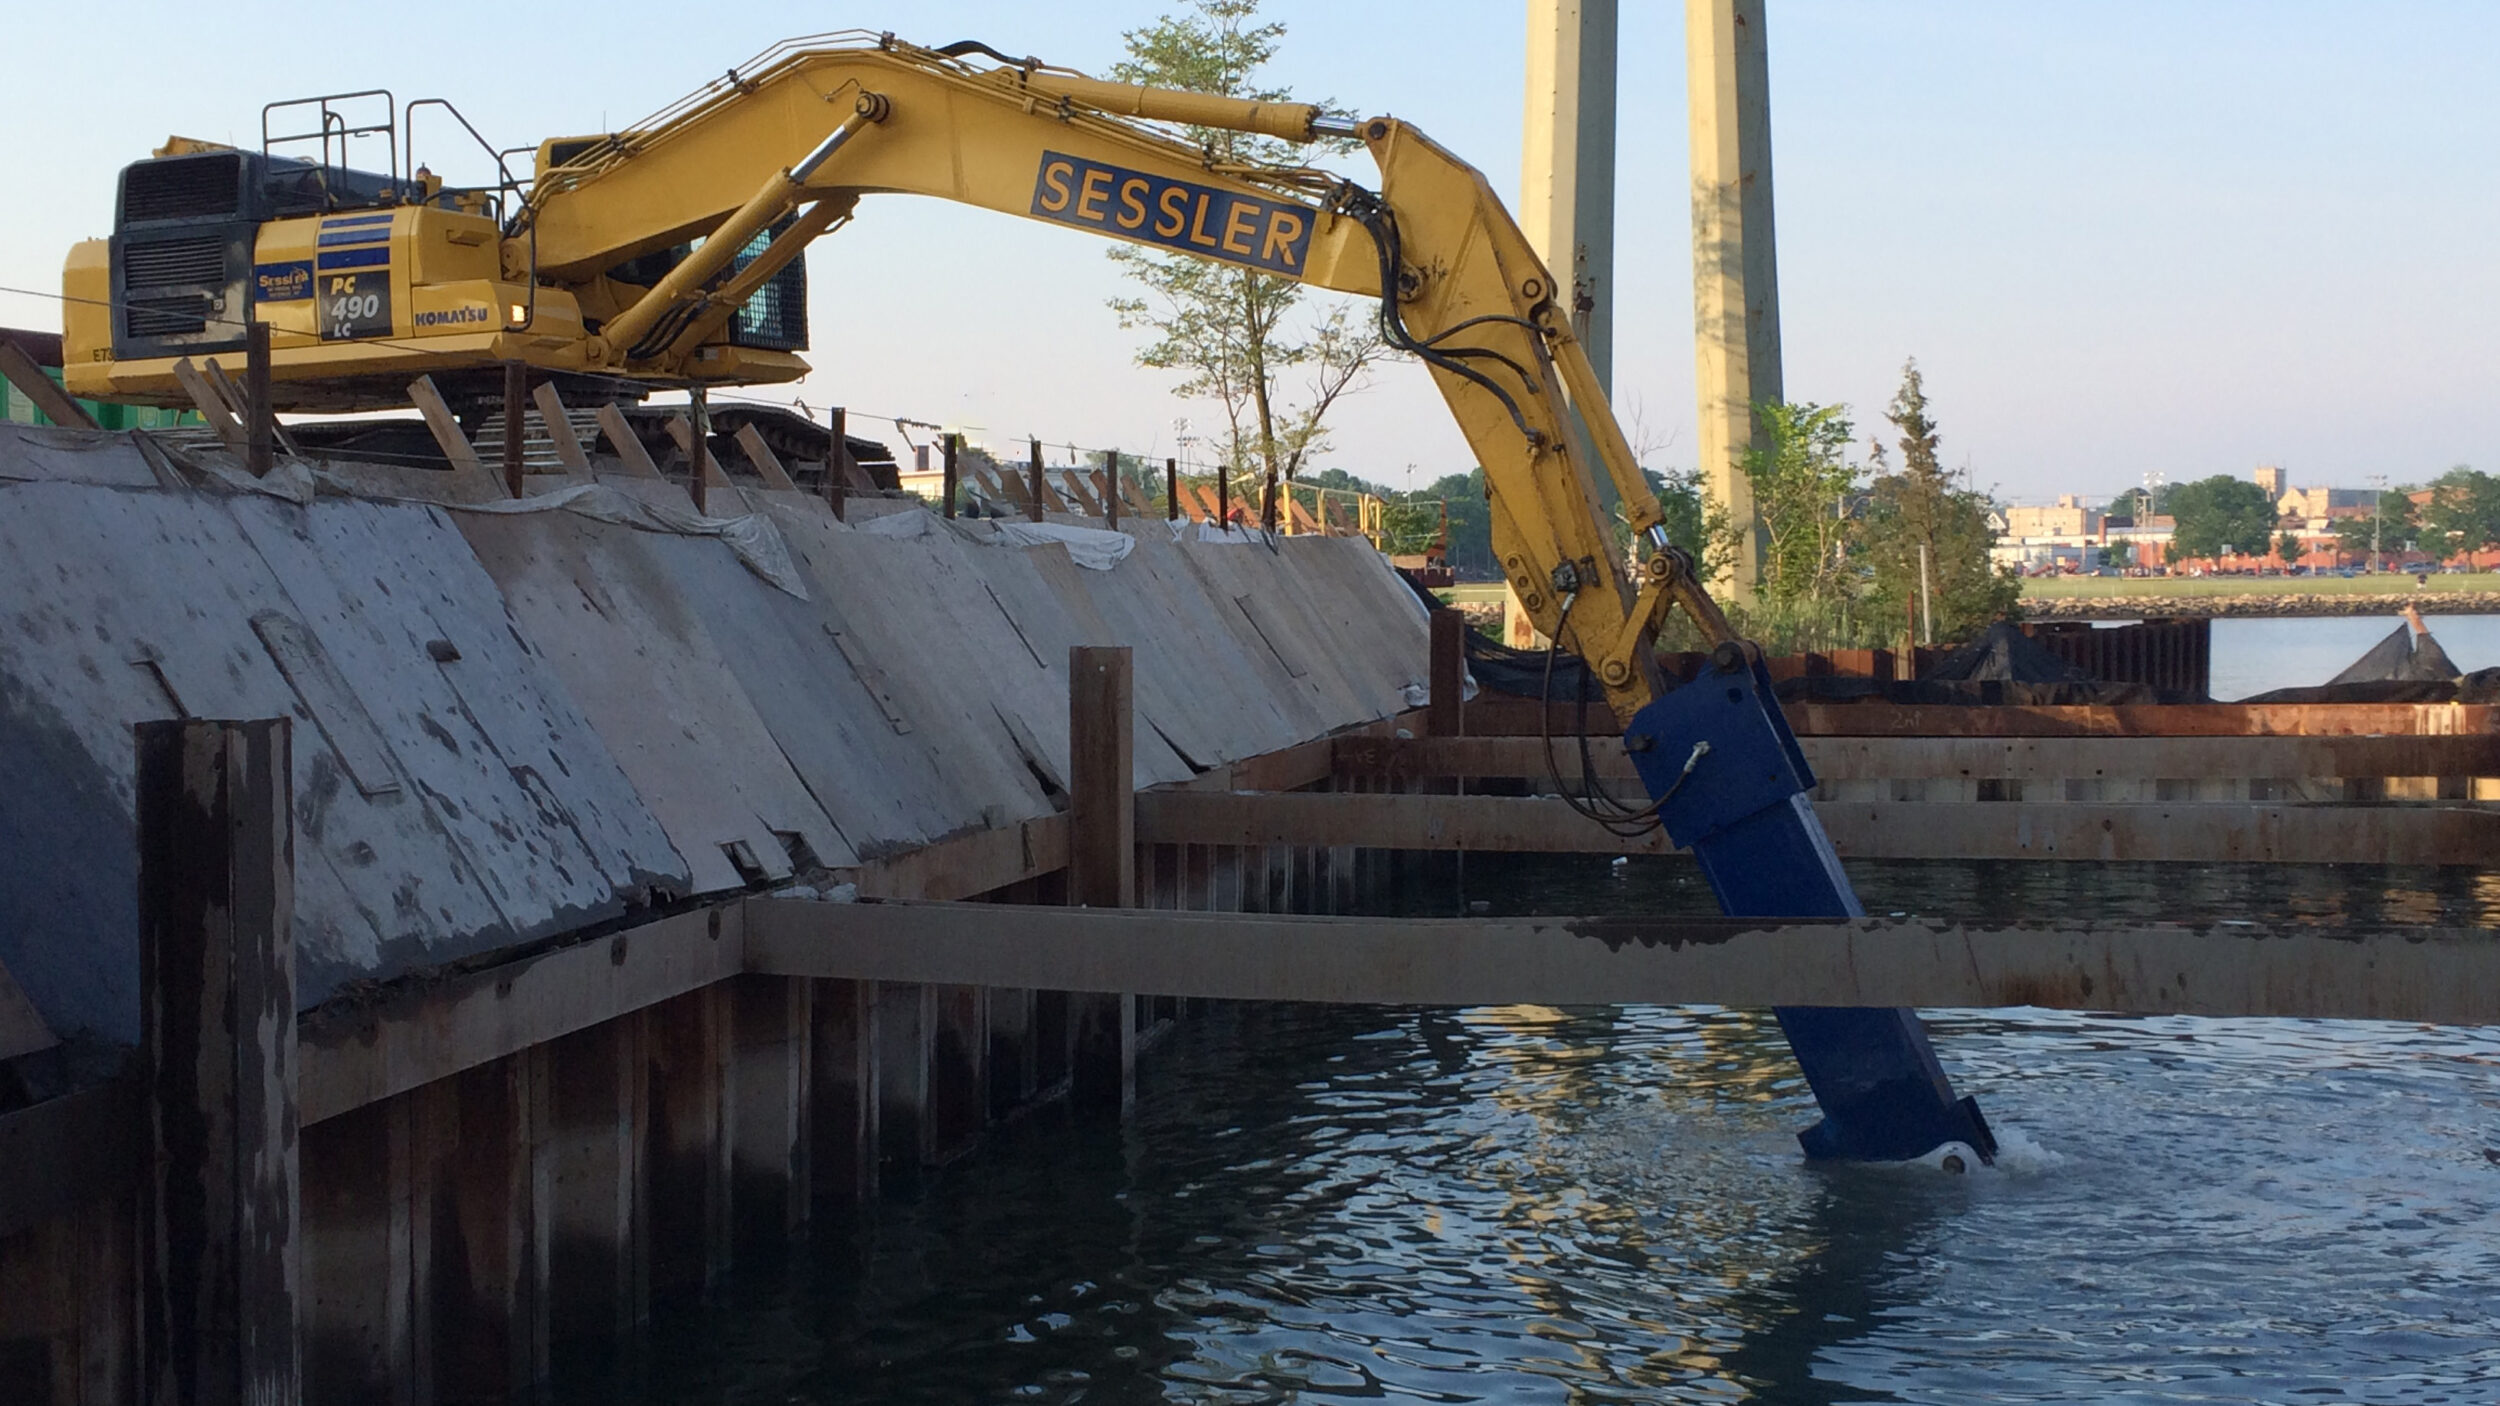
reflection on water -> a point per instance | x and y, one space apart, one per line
1525 1204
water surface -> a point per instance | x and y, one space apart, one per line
2252 655
1533 1205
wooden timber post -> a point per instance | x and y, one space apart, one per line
1040 493
953 486
1111 489
1449 672
1172 490
260 429
516 399
1102 860
698 446
838 465
1223 500
221 1200
20 370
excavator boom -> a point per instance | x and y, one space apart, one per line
630 256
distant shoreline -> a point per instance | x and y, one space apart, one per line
2261 605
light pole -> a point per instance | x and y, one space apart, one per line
2378 502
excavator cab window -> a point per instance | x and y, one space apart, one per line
774 319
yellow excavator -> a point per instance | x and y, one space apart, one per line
667 256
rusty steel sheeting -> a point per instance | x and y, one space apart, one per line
2439 976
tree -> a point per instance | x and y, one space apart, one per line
2287 548
2213 513
1802 485
2464 512
1921 506
2384 531
2140 503
1687 517
1234 333
1471 524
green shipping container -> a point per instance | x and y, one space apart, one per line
15 408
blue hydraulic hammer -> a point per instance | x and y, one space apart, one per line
1730 783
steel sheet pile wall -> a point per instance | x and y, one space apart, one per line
513 726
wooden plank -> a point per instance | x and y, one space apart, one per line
2268 757
241 402
1487 824
1449 672
1009 486
1506 716
1288 769
447 436
221 1248
55 403
967 865
2196 833
2432 975
2207 833
212 406
2141 720
681 430
1499 715
767 463
552 414
413 1034
1917 758
628 446
1072 486
1102 863
1102 818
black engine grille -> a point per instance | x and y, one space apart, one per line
174 263
196 187
167 317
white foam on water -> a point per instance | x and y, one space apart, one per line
2019 1156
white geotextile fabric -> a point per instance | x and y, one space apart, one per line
752 535
1094 548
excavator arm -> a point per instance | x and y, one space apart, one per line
1471 299
633 249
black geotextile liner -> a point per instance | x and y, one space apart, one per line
2403 656
2405 667
2004 654
2480 686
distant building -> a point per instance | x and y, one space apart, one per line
2314 506
2065 534
2069 518
2269 477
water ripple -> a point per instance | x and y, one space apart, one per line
1524 1204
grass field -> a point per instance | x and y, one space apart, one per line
2120 587
1472 593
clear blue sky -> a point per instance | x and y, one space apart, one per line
2121 237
